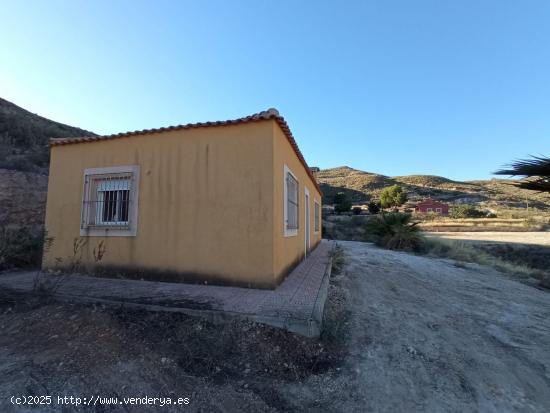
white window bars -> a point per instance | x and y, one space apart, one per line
110 201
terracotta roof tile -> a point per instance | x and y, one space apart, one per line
265 115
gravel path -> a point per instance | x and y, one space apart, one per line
429 336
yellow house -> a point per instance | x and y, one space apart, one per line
228 202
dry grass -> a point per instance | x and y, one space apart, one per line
512 264
483 224
496 237
336 315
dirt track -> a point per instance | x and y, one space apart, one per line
431 336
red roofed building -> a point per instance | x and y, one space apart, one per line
431 205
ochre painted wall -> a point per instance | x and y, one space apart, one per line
205 203
288 250
211 204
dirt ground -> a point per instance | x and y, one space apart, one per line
429 335
533 238
404 333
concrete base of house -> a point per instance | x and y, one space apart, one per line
296 305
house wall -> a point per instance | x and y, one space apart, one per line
205 203
289 250
423 207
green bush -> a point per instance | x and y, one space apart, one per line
392 196
21 247
395 231
341 203
465 211
374 207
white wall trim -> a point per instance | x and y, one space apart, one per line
131 231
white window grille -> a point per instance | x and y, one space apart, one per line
438 210
291 203
109 205
429 210
316 215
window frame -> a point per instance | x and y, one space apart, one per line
429 209
307 220
290 232
316 216
128 228
439 210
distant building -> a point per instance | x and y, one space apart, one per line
431 205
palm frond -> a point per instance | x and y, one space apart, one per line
538 166
537 169
541 184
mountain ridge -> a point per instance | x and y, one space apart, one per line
362 186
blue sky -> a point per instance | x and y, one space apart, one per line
452 88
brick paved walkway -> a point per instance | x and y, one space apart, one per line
296 305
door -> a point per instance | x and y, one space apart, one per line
307 222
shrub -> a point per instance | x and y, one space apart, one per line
357 210
395 231
374 207
17 163
392 196
341 203
21 247
465 211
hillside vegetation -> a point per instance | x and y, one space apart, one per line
24 161
24 138
362 186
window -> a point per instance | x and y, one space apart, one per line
316 216
112 200
439 210
429 209
109 204
291 203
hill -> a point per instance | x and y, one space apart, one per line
24 138
24 160
363 186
